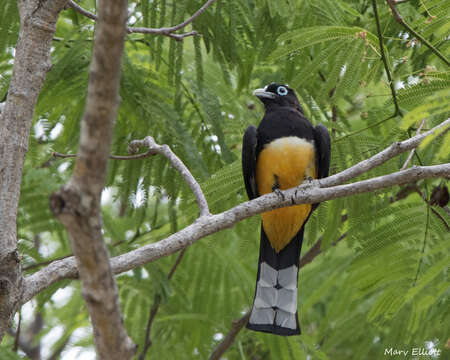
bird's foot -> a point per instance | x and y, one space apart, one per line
279 193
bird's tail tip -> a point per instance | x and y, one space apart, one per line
275 304
274 329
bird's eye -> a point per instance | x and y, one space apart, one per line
282 91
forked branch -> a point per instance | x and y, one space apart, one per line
316 191
165 31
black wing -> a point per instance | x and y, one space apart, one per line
249 161
323 153
323 148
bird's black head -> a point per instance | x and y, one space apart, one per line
274 95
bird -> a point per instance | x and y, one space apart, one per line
284 151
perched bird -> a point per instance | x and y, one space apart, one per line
280 154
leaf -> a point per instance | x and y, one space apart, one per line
299 39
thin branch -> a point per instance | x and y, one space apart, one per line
153 311
154 148
82 11
166 31
17 336
114 157
316 250
366 128
155 307
411 154
161 31
383 57
402 22
191 19
425 236
237 325
175 266
27 339
43 263
383 156
57 352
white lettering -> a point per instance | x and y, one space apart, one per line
395 352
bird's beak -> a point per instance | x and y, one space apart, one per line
262 93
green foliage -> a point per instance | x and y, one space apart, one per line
382 277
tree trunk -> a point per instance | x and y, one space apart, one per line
32 61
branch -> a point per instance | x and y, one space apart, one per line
236 326
402 22
166 31
155 307
383 57
383 156
323 190
207 225
419 129
154 148
113 157
77 204
28 340
82 11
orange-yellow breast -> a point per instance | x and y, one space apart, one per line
285 162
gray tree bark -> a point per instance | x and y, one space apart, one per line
77 204
32 61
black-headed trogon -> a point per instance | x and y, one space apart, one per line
280 154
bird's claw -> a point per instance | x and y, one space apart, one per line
279 193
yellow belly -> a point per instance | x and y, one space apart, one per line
285 162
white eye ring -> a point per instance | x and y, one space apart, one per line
282 91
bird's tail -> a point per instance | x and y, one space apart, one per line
275 303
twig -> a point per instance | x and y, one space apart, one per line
160 31
411 154
316 250
154 148
82 11
57 352
238 324
353 133
155 307
43 263
166 31
114 157
429 204
402 22
383 57
27 340
17 335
